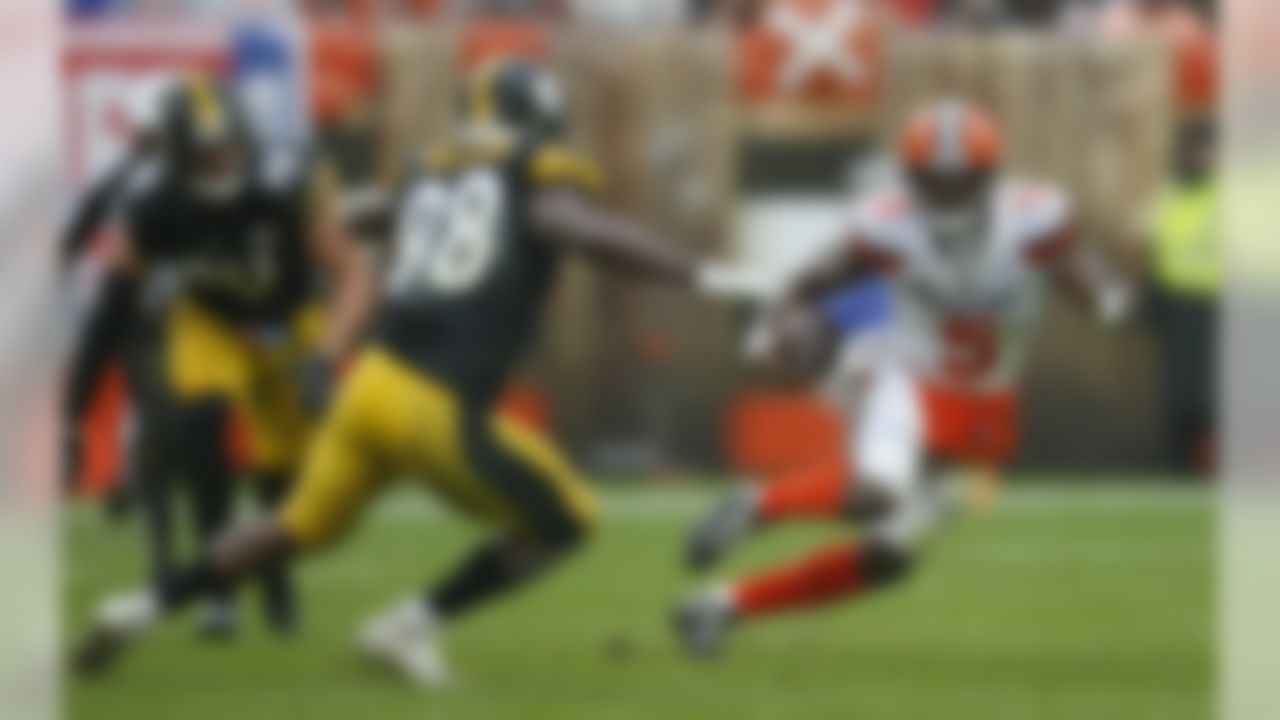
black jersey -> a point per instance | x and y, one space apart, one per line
245 260
469 275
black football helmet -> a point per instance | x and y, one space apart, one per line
203 139
513 97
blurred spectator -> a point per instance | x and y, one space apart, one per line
1186 270
89 9
975 13
266 72
623 13
343 90
337 9
197 9
732 12
1002 13
746 12
499 8
1187 33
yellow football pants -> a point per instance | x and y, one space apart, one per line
207 357
391 421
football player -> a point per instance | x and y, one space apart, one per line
967 250
102 338
247 234
481 225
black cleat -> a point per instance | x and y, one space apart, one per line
119 621
98 652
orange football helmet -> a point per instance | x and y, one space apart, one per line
950 151
950 137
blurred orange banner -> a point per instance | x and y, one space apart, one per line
492 40
813 51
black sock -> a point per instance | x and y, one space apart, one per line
485 574
279 599
202 443
180 588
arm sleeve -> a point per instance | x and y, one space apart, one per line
93 209
100 341
1050 227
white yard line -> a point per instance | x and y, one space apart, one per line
666 502
641 501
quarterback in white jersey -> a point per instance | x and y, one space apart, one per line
968 252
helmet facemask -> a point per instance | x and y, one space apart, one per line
954 205
216 173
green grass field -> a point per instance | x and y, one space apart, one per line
1065 603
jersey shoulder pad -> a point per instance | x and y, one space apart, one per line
1036 209
882 220
1040 219
558 165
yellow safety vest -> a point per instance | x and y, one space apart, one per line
1187 256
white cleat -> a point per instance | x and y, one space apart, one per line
406 641
730 521
120 620
703 622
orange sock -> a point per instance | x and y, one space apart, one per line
825 576
815 492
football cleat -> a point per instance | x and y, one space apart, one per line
120 620
405 640
702 622
220 620
731 520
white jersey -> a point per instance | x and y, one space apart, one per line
963 309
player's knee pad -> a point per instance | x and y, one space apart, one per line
885 563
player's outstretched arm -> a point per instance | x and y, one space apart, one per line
351 280
788 340
573 223
351 301
93 210
98 342
1085 276
838 266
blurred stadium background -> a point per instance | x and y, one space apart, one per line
743 128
